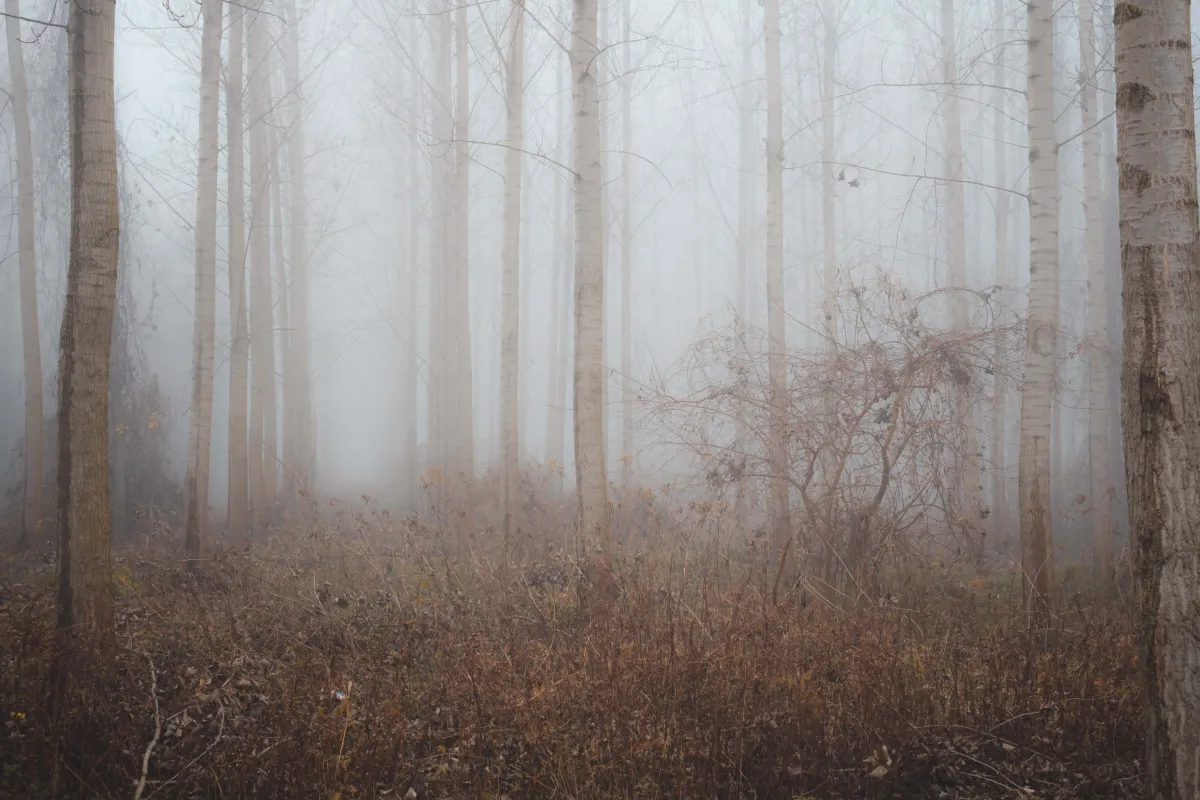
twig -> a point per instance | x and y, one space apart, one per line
141 784
207 750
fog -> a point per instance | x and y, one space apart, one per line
368 78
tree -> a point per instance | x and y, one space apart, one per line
1160 248
1037 389
27 278
297 386
967 495
460 294
590 475
999 509
1099 416
627 254
204 319
239 464
777 365
85 590
262 337
560 293
510 258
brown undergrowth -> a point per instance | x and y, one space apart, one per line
340 668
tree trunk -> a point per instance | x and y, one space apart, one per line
560 295
1037 390
745 222
828 156
205 317
85 590
27 280
299 390
411 381
441 412
461 296
239 477
262 338
1099 414
999 511
627 257
590 475
967 474
1160 245
777 365
511 277
275 143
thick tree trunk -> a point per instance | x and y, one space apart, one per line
1001 535
85 589
968 494
262 336
1037 391
239 466
510 345
275 143
205 317
299 388
1099 412
777 365
1160 245
31 346
590 474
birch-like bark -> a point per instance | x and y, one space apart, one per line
745 223
967 474
299 388
590 475
1099 413
239 466
262 340
461 296
510 290
205 316
1037 390
1160 245
85 584
776 364
31 346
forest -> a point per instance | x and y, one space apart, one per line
599 399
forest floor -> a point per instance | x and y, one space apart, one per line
332 671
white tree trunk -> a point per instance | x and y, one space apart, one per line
777 365
239 476
27 280
1160 245
560 295
1099 413
85 585
301 472
205 316
511 275
1037 390
590 475
275 142
262 341
442 412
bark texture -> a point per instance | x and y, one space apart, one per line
1037 390
239 466
1160 245
85 589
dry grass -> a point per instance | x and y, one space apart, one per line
321 668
